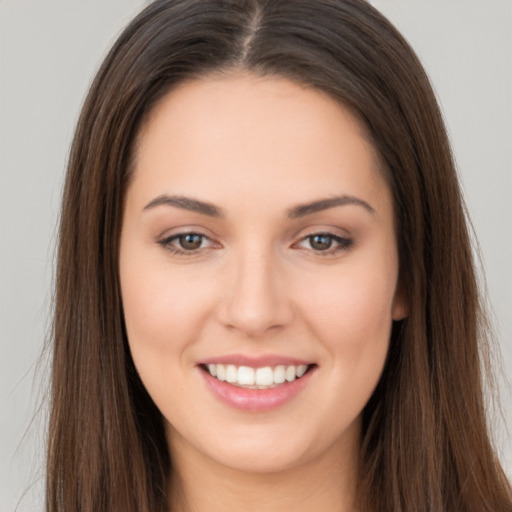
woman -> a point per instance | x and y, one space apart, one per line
265 291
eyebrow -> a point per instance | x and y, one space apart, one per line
185 203
301 210
324 204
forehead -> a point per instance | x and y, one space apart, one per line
245 134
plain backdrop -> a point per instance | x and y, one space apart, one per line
49 51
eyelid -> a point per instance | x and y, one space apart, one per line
166 240
341 243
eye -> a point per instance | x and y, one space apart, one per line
320 242
325 243
186 242
190 241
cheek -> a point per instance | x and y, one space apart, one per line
163 317
163 311
351 316
353 304
352 320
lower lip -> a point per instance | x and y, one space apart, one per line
256 400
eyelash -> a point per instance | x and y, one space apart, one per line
167 243
341 243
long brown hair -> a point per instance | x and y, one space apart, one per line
425 441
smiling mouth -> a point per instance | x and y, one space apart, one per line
266 377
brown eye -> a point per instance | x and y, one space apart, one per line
325 244
320 242
190 241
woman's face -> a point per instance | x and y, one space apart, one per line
258 270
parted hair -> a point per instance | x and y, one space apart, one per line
425 442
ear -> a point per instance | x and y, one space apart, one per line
401 304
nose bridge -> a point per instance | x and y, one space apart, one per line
257 300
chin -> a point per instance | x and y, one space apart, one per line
264 449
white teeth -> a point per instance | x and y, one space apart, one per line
301 370
290 373
221 372
264 376
231 373
246 376
279 376
257 378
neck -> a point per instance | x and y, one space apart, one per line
327 483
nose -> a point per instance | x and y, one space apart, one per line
255 300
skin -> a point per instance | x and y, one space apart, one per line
255 148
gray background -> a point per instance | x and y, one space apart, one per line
49 51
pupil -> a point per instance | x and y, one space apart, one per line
320 242
190 241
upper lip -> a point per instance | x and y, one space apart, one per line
255 362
